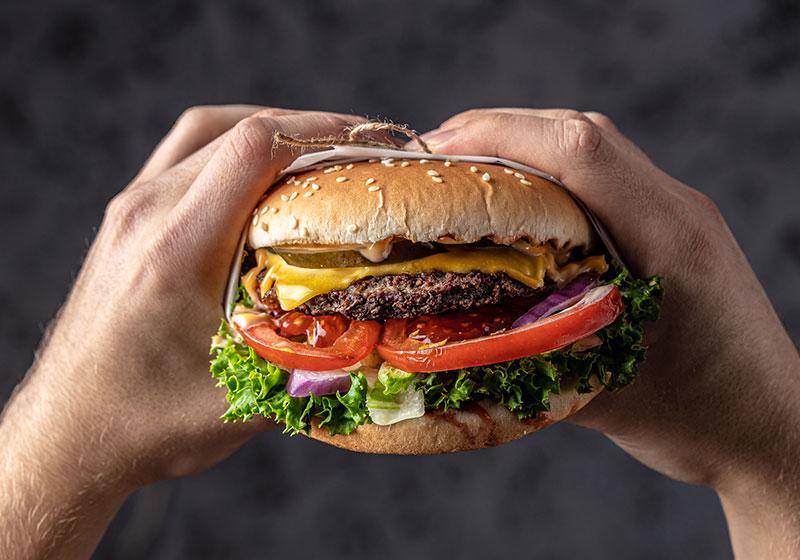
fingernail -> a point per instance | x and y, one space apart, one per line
438 136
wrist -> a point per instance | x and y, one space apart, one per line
63 491
760 489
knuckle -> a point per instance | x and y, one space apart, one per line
251 138
695 219
600 119
128 208
705 204
580 138
193 117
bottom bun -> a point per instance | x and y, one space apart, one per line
477 425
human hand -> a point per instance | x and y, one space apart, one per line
120 394
718 400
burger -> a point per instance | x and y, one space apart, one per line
420 306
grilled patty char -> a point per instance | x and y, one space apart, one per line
407 296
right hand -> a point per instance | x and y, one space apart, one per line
718 400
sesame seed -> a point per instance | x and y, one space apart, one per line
437 179
519 175
387 160
284 198
308 194
292 222
273 210
352 228
309 179
341 179
424 161
373 160
369 181
486 177
388 164
473 169
349 166
255 211
329 170
305 186
296 183
374 188
264 210
293 196
290 179
433 173
255 220
448 163
314 187
405 164
265 226
337 167
525 182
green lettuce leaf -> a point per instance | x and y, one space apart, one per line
256 386
393 381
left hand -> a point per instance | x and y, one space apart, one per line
120 395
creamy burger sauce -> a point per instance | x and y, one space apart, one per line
295 285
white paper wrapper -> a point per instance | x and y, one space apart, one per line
346 154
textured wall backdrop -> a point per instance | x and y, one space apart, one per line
709 89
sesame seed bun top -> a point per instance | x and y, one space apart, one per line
420 200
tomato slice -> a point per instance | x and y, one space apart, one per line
598 309
458 325
331 342
320 331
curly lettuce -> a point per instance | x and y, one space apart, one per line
256 386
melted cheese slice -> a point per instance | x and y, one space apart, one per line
295 285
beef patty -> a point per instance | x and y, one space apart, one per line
406 296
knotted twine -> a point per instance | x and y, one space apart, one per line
355 137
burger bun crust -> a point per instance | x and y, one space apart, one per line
420 202
478 425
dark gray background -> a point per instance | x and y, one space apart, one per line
709 89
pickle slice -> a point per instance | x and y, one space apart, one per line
401 251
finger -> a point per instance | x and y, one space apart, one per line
196 127
167 188
218 203
559 147
554 113
574 151
601 120
174 181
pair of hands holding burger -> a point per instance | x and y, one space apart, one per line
407 306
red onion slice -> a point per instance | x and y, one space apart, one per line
559 300
303 383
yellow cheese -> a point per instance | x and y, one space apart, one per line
295 285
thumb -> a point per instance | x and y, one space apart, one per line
562 148
576 152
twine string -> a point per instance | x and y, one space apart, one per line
355 137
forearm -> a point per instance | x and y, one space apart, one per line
761 495
54 501
763 524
